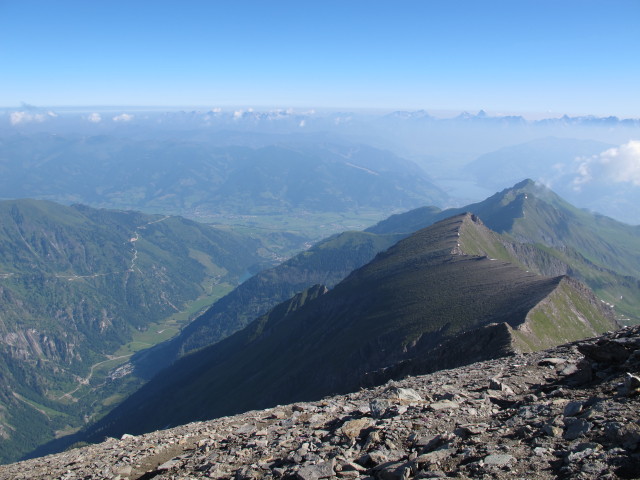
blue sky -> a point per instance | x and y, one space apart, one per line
576 57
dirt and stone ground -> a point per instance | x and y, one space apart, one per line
569 412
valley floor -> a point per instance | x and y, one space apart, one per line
569 412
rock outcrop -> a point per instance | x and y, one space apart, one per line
569 412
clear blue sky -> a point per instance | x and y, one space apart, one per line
561 56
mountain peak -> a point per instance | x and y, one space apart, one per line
460 235
526 183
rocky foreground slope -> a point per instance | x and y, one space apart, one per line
569 412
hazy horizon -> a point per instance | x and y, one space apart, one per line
435 113
539 57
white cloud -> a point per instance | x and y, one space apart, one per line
623 163
125 117
95 118
25 117
616 165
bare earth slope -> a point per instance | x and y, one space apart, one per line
569 412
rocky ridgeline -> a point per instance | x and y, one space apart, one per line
569 412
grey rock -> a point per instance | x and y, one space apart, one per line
551 361
375 457
403 394
246 429
123 470
315 472
169 464
352 428
496 384
471 429
576 427
379 407
443 405
605 351
552 430
548 428
429 442
436 456
580 375
498 459
394 471
572 409
631 385
626 435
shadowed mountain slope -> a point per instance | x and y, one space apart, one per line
446 283
326 263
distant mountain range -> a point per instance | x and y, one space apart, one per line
198 179
545 159
210 163
275 119
447 295
75 284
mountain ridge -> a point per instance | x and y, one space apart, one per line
598 250
327 262
402 305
